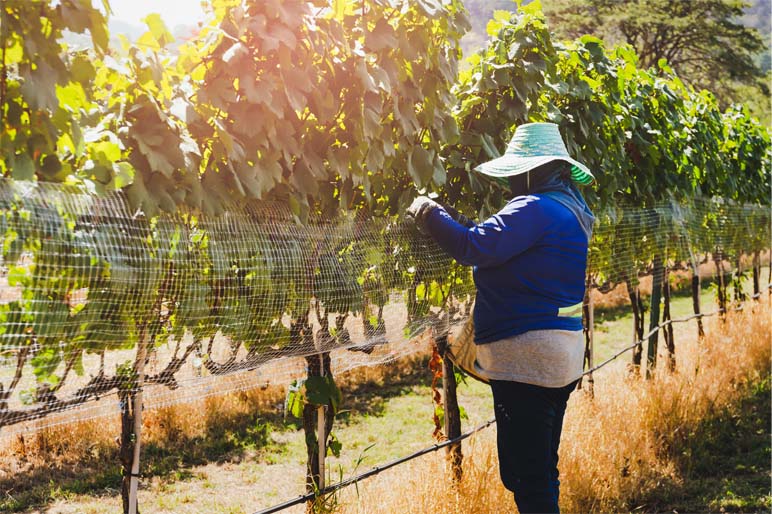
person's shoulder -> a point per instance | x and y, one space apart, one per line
519 208
531 202
538 206
522 200
560 213
551 205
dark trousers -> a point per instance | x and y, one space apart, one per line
529 420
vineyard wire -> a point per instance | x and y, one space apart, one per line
669 322
74 261
375 470
430 449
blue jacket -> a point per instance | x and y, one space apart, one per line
529 262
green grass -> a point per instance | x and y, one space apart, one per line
614 325
232 441
725 463
48 486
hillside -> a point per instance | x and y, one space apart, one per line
757 16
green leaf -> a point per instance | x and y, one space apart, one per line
50 166
82 70
372 125
534 8
73 97
139 197
439 411
322 391
303 179
295 400
20 276
439 175
23 168
98 30
105 152
334 445
39 87
123 174
419 165
489 146
340 8
14 113
381 37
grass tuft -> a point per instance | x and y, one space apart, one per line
690 441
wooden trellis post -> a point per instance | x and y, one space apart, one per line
317 419
718 260
696 297
636 303
588 314
317 426
769 275
450 406
321 431
131 429
756 275
668 329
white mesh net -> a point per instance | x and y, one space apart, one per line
235 302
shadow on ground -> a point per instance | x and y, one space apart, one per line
231 439
725 462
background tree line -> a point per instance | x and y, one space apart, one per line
719 45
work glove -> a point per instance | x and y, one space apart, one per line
419 210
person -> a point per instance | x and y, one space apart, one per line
529 263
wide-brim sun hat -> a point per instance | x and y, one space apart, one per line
533 145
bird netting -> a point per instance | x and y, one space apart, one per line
234 302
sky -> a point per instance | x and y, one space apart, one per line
173 12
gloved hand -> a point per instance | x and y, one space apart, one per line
419 210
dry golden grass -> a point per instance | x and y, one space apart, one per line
618 448
179 442
71 444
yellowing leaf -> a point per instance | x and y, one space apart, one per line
72 97
158 31
147 40
341 8
123 174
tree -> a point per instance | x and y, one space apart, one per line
480 12
703 40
